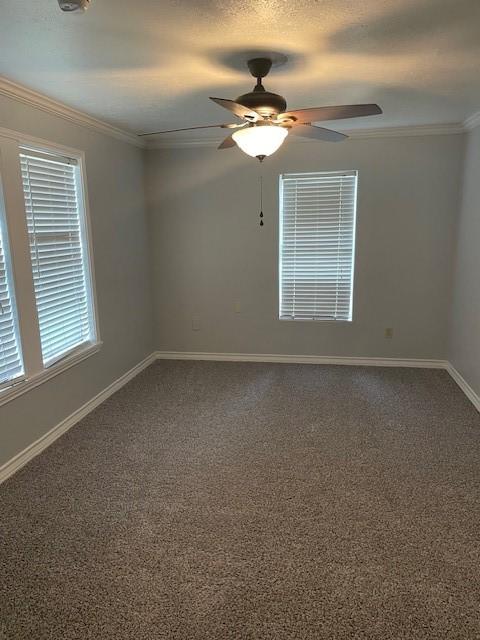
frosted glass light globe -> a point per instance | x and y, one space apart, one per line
260 141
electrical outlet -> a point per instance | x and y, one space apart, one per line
237 307
195 322
389 332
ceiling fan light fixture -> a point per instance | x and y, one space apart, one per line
266 121
260 141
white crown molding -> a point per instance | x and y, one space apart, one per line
451 128
472 121
21 459
354 134
37 100
34 99
182 144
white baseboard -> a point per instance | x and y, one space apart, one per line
464 386
271 357
21 459
421 363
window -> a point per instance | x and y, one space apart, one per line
11 366
57 251
47 315
317 245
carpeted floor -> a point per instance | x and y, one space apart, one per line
260 501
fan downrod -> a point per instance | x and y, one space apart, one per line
266 103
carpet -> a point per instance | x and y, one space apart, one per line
210 500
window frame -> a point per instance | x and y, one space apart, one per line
5 244
35 372
337 321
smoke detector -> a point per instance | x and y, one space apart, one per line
73 5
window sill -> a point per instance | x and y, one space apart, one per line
23 386
330 320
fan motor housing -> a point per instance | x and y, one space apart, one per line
263 102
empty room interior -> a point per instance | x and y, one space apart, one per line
240 320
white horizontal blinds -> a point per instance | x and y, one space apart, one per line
317 245
11 366
58 253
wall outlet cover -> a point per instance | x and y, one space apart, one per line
195 322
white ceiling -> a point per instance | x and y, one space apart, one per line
151 64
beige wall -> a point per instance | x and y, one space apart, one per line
465 327
209 252
116 195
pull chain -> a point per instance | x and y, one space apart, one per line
261 200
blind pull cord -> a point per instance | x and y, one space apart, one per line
261 200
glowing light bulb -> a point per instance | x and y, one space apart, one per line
260 141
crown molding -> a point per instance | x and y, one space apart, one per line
37 100
472 121
182 144
451 128
353 134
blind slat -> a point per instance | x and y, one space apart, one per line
317 245
57 249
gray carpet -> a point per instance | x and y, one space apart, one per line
259 501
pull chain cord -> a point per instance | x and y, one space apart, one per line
261 200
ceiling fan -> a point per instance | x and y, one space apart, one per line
266 121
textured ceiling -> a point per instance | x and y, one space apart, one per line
151 64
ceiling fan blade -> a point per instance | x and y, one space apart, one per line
227 143
317 133
317 114
238 109
205 126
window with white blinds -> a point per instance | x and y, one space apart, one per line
58 251
317 245
11 366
